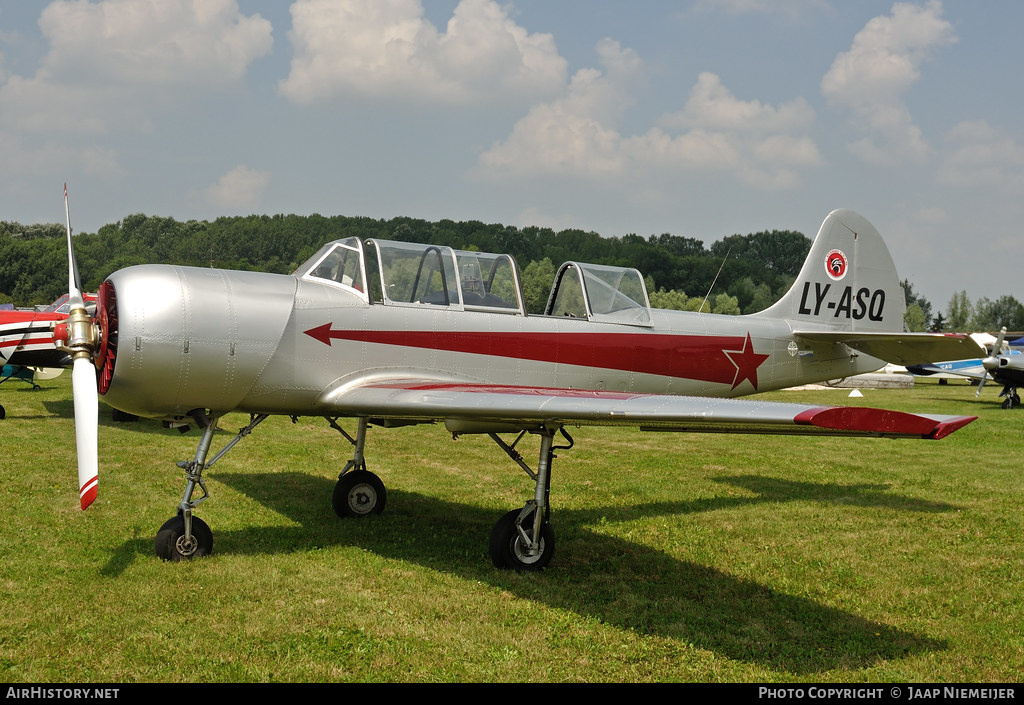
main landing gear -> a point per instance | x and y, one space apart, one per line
359 492
1011 399
521 540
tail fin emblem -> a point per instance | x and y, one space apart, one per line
836 265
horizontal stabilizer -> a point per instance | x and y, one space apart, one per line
902 348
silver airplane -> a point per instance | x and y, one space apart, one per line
390 333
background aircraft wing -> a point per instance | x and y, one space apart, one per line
469 407
903 348
976 373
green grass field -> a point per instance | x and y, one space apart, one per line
679 557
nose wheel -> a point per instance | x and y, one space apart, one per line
173 543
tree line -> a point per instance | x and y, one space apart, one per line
755 269
737 274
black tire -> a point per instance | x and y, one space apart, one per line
3 413
507 547
358 494
1012 401
170 542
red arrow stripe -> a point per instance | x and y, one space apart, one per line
695 357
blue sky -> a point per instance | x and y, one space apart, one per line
701 119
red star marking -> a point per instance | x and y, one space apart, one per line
747 361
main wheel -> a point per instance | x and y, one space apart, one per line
1011 401
510 551
3 413
358 494
171 544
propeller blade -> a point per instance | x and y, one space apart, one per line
83 380
997 349
992 361
83 387
74 280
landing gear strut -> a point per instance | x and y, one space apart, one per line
185 536
359 492
1012 398
523 539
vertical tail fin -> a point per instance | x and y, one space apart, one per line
848 281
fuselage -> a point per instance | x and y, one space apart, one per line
26 338
194 338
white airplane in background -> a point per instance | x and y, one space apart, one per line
1002 364
390 333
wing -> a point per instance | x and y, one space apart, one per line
477 408
903 348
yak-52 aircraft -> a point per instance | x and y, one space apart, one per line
391 333
1004 366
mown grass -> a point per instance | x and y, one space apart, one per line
679 557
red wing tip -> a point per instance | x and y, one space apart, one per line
883 421
954 424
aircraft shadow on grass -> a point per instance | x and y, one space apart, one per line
64 408
668 597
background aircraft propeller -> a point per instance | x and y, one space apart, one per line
991 362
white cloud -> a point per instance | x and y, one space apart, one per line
388 49
871 78
45 159
712 106
241 187
109 62
146 42
932 215
534 217
715 132
577 133
982 156
788 8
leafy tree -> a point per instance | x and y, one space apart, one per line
538 277
913 298
993 315
727 305
672 299
959 313
914 319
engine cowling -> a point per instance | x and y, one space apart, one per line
174 339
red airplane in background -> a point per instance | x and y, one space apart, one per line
27 345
